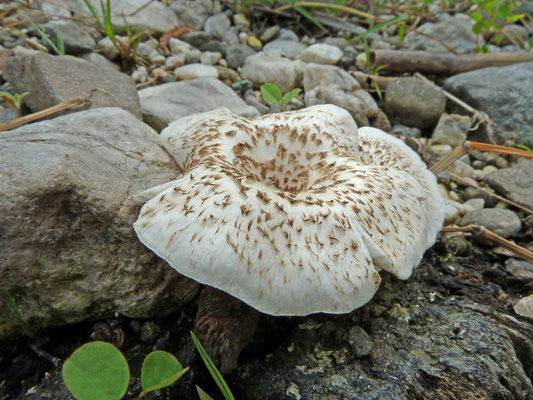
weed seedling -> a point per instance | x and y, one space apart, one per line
60 48
272 94
14 100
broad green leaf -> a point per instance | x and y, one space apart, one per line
476 16
271 93
217 376
202 395
160 369
289 96
309 16
503 11
96 371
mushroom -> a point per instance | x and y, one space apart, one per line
293 213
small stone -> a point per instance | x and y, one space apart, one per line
478 164
225 73
321 54
150 331
108 49
489 168
193 71
451 214
474 204
235 55
403 130
462 169
515 183
156 58
502 222
173 62
180 47
140 75
441 150
360 342
210 57
242 86
261 69
519 268
284 48
287 34
270 34
196 39
451 129
216 24
243 37
240 20
514 34
454 196
254 42
144 50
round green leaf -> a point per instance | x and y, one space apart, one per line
271 93
96 371
160 369
289 96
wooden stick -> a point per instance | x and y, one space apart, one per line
484 233
49 111
442 63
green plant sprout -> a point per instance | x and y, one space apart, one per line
60 48
490 16
217 376
364 35
99 371
524 147
272 94
18 315
14 100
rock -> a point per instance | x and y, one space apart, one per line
180 47
500 92
225 73
193 71
360 342
284 48
287 34
514 34
321 54
174 62
325 84
455 31
414 102
155 58
165 103
7 114
261 68
216 24
254 42
108 49
270 34
154 17
473 204
515 183
210 57
140 75
55 79
519 268
502 222
192 13
76 37
241 21
462 169
196 39
475 193
451 129
100 61
68 252
403 130
235 55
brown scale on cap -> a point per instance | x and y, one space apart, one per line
292 213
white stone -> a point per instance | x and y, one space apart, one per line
321 54
193 71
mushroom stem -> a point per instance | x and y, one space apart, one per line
463 149
484 233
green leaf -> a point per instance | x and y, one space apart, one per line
10 300
378 91
217 377
108 24
524 147
271 93
289 96
516 17
60 43
202 395
160 369
503 11
96 371
401 33
310 17
93 13
476 16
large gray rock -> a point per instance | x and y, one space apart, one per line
328 84
414 102
68 252
455 31
192 13
501 221
165 103
140 15
261 68
504 93
52 80
515 183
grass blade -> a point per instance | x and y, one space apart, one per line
18 315
46 39
217 377
310 17
202 395
93 13
380 26
60 43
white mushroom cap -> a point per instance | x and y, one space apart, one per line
287 213
524 307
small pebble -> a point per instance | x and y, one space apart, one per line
210 57
254 42
488 169
140 75
240 20
193 71
156 58
270 34
176 61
